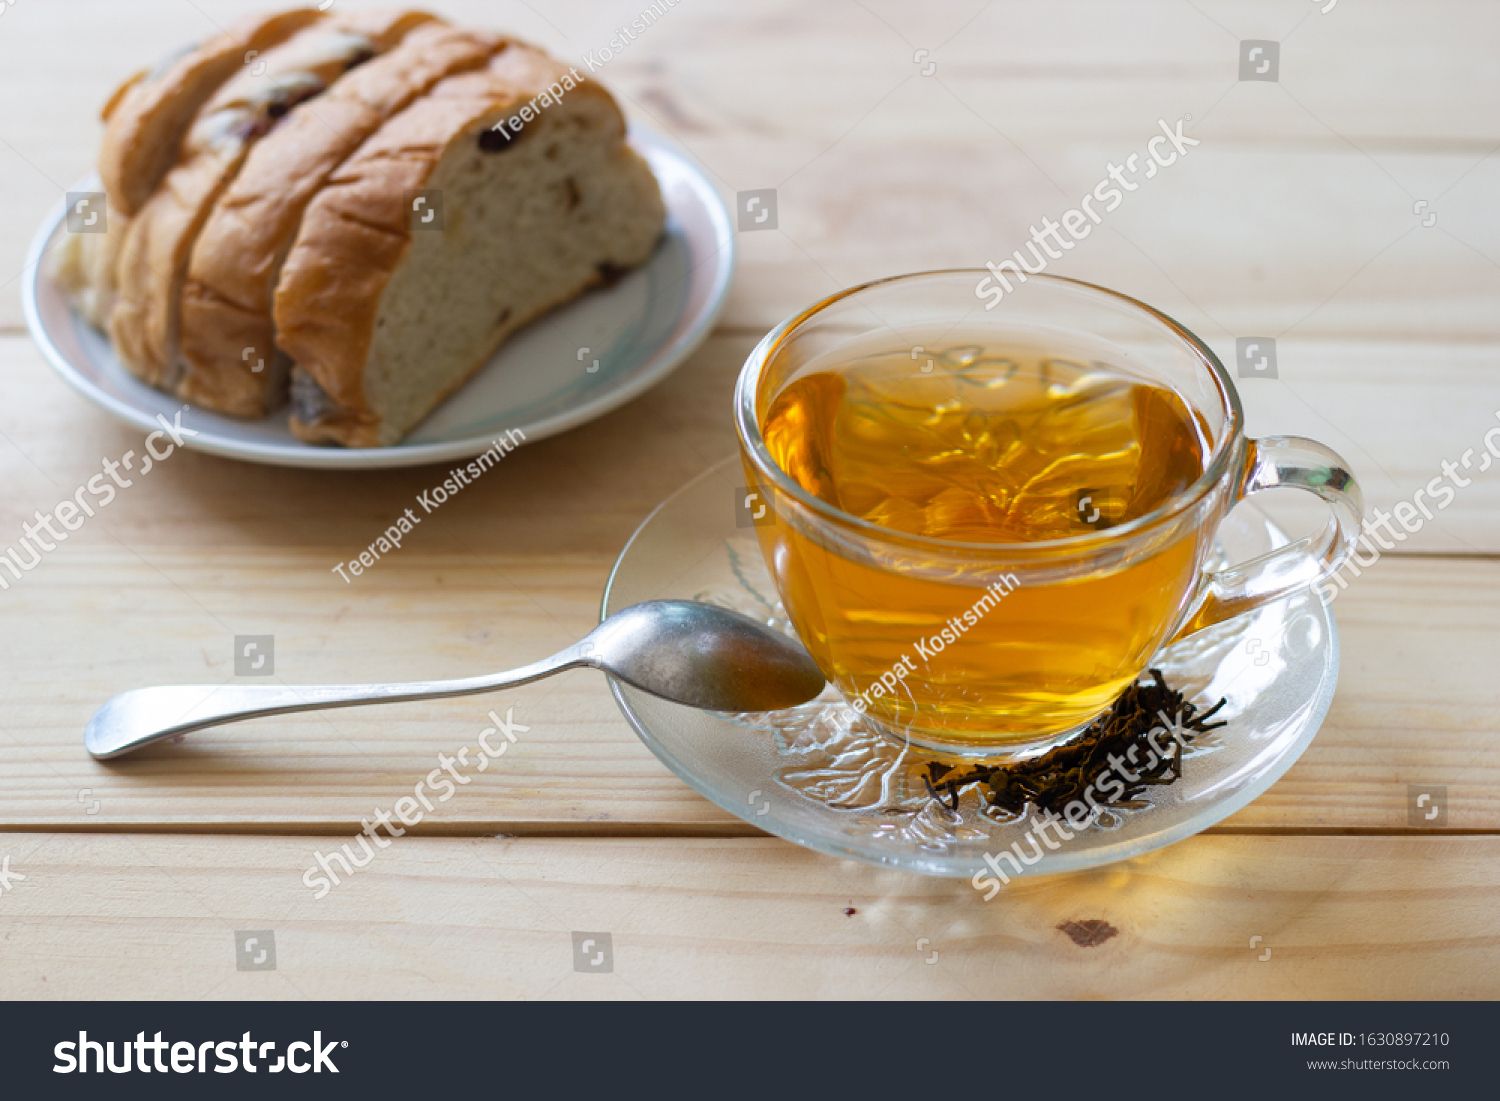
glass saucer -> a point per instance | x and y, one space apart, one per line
849 792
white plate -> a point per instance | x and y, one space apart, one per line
539 382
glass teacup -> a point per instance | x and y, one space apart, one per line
985 648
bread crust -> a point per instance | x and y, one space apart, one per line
149 115
355 234
155 253
227 337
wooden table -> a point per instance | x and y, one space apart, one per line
1303 215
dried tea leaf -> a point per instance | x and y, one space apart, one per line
1055 779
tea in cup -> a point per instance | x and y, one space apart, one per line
984 525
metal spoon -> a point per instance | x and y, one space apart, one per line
690 653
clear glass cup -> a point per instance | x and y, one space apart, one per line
989 649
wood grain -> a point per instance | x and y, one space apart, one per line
154 589
1294 215
1296 218
1416 702
1395 411
146 917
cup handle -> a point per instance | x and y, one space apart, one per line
1279 462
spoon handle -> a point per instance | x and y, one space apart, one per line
145 715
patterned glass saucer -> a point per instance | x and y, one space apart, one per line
848 791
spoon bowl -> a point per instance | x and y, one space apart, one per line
704 656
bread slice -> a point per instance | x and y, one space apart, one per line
84 265
382 322
156 248
147 117
226 345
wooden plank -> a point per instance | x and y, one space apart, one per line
1395 411
1294 215
133 916
1236 265
513 568
1293 219
1416 702
155 588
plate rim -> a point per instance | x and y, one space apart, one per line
315 457
1062 863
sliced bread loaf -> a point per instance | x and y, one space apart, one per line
226 345
155 251
386 307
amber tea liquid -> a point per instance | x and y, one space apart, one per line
974 445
